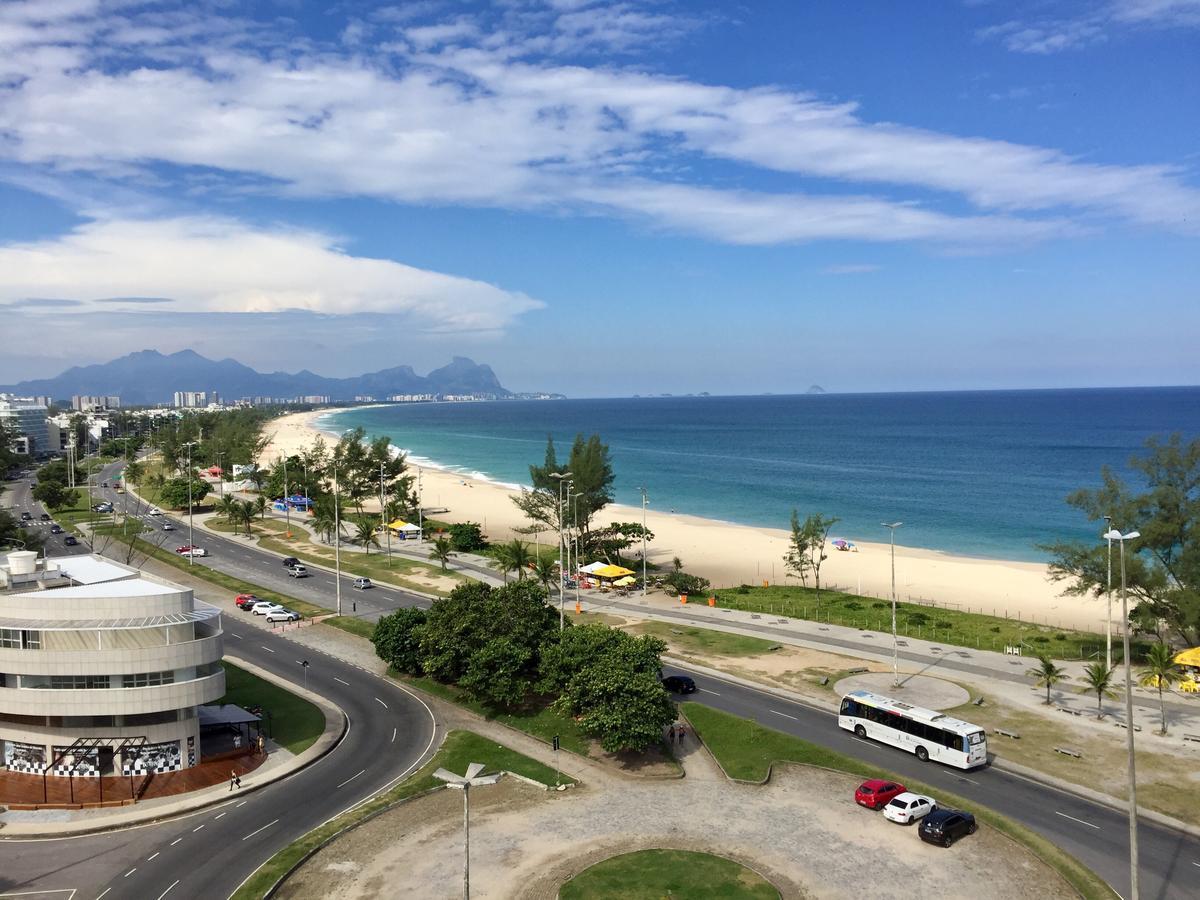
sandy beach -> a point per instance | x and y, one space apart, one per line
729 554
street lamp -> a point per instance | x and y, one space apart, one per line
892 526
1108 621
562 572
1115 535
464 783
643 490
337 539
191 540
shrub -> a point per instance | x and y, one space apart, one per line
852 604
1060 637
917 618
467 536
1041 639
995 629
942 624
743 589
879 605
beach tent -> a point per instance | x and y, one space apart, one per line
1189 657
843 544
214 471
623 582
405 530
299 501
591 568
609 572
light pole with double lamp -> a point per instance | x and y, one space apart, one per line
1115 535
644 501
892 526
190 475
337 539
1108 621
562 572
464 783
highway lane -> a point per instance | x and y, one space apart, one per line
1094 834
18 496
207 854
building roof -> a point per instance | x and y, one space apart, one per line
92 569
201 612
227 714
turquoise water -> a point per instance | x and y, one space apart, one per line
973 473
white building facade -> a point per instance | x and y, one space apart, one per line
29 420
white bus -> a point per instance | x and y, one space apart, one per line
927 733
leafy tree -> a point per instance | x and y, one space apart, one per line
567 653
364 533
1163 565
1161 672
467 537
55 494
513 556
795 561
609 542
134 471
806 547
1046 674
174 493
683 583
397 639
1098 678
441 550
13 535
591 473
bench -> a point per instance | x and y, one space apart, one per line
676 631
1073 712
978 701
755 616
857 670
1123 725
1011 734
1192 737
1067 751
775 647
866 635
824 681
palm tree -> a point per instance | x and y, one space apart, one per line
1099 680
544 569
134 471
442 550
520 556
323 522
503 554
1161 672
677 563
1047 674
246 511
230 510
260 504
364 533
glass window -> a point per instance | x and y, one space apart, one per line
10 639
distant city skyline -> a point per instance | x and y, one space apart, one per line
608 198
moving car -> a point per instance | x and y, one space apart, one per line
361 584
245 601
25 517
167 526
45 517
289 561
876 794
298 571
945 826
56 529
906 808
262 607
679 684
282 614
154 511
71 541
192 551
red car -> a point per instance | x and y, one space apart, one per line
245 601
876 794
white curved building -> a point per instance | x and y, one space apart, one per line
102 668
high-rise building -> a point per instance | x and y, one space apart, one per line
191 399
27 421
89 403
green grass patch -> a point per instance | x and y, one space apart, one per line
978 630
538 720
704 641
258 526
654 874
458 750
360 627
747 750
295 722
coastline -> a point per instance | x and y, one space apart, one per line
729 554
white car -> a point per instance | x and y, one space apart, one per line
195 551
282 614
906 808
262 607
167 526
154 511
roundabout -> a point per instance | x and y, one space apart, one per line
919 690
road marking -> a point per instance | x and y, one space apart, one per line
107 889
1073 819
785 715
219 816
168 890
346 683
148 858
394 730
707 691
131 871
861 741
257 830
1196 864
240 805
265 647
236 635
350 779
176 841
197 828
962 778
381 703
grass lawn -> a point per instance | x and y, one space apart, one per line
262 527
653 874
963 629
542 722
360 627
703 641
747 750
458 750
295 723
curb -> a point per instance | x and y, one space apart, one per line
335 721
997 762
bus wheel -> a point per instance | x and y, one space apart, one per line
860 731
922 754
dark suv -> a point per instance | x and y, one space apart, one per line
679 684
945 826
289 561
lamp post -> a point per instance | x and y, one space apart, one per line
383 522
1108 620
287 507
643 490
464 783
191 540
337 540
575 520
1115 535
562 572
892 526
420 506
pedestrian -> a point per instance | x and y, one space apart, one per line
671 734
680 732
237 742
233 779
261 744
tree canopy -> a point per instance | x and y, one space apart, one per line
592 476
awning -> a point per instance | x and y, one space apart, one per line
401 525
611 572
622 582
590 568
228 714
1188 657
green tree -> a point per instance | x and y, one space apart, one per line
397 640
174 493
55 495
514 556
806 548
503 557
609 542
1161 672
364 533
245 514
134 471
1098 678
260 506
1163 565
795 561
592 476
544 571
467 537
230 510
1046 674
441 550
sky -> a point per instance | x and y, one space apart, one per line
606 198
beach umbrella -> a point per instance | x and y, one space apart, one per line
1188 657
622 582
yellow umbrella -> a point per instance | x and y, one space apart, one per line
1188 657
621 582
611 572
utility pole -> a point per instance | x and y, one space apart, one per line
562 572
337 538
464 783
191 540
644 501
287 507
895 642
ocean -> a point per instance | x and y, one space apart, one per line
980 473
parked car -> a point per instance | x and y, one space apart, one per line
104 484
282 614
262 607
876 794
71 541
245 601
102 507
45 517
361 584
679 684
56 529
289 561
945 826
298 571
906 808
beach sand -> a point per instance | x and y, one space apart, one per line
729 554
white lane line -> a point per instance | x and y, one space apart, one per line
219 816
962 778
197 828
1196 864
148 858
381 703
346 683
240 805
176 841
168 890
103 892
257 830
1073 819
394 730
265 647
861 741
707 691
785 715
236 635
350 779
131 871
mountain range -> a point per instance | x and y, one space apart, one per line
148 376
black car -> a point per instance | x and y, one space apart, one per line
289 561
70 540
25 517
679 684
45 517
56 529
945 826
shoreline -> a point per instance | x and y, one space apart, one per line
729 554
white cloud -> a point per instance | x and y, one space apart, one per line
1056 34
850 269
207 264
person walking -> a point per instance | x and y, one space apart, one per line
235 780
671 734
680 732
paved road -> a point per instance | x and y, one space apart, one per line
18 497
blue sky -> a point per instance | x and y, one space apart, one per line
609 197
